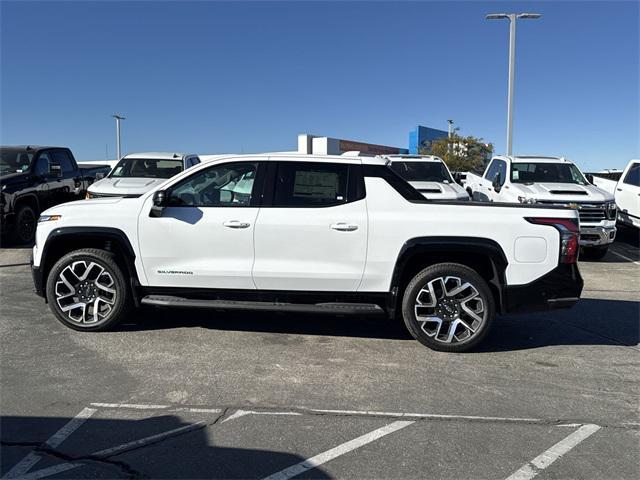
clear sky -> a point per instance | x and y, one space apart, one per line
218 77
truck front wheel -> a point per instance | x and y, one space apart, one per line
87 290
26 223
448 307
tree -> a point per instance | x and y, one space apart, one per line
461 154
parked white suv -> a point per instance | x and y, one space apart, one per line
626 190
429 175
550 181
303 233
138 173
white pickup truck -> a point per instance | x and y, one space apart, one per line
429 175
626 190
306 234
550 181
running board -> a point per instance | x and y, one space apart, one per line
331 308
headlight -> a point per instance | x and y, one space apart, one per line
611 210
49 218
526 200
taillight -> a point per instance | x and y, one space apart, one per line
569 236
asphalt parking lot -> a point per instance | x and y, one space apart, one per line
187 394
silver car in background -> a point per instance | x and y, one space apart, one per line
138 173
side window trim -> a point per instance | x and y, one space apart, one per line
490 168
634 169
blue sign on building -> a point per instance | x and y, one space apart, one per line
421 138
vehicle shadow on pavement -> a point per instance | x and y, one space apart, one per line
161 446
150 318
589 322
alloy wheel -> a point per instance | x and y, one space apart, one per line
449 309
85 292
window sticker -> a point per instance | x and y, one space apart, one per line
315 185
515 174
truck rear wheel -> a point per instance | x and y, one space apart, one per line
448 307
87 290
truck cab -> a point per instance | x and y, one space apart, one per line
550 181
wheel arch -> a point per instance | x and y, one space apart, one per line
67 239
483 255
30 199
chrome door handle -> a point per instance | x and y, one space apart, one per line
344 227
236 224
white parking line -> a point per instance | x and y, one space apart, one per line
55 440
110 452
542 461
623 256
427 415
335 452
242 413
138 406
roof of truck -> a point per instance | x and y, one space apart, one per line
158 155
537 159
300 157
412 158
30 147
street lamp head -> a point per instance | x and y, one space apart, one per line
529 15
496 16
119 117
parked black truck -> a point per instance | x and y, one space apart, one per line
34 178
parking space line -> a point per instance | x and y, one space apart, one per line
542 461
137 406
611 250
133 406
428 415
335 452
54 441
110 452
242 413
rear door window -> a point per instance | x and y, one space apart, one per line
310 184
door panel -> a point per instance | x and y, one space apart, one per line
192 247
306 245
204 238
627 191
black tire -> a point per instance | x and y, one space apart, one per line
451 311
26 221
109 314
595 253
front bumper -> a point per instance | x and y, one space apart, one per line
560 288
596 236
38 279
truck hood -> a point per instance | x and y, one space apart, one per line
13 178
563 192
440 191
129 186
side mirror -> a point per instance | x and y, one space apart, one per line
496 183
100 175
160 200
55 169
589 178
457 177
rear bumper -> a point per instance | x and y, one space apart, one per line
560 288
596 236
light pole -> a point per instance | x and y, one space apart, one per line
512 60
118 118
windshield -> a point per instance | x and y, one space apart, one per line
15 161
546 173
422 171
146 168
